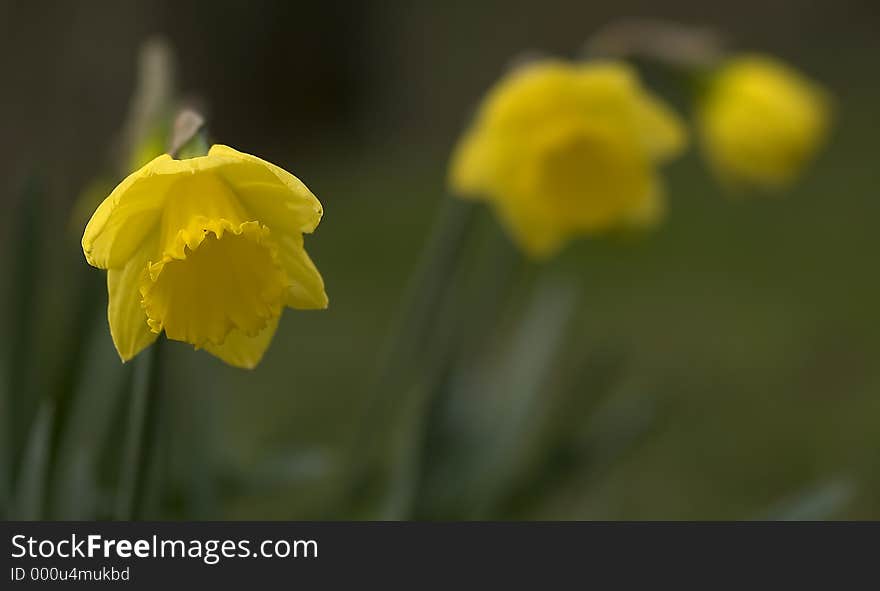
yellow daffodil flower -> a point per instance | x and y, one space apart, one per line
760 121
562 149
208 249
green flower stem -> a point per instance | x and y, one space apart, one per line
143 427
496 276
88 308
407 367
31 483
521 380
430 285
145 413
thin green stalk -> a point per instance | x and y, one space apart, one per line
428 288
492 283
87 309
521 381
504 383
31 483
138 480
143 426
404 366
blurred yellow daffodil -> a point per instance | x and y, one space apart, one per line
208 249
760 121
562 149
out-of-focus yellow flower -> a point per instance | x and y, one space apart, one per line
562 149
761 121
208 249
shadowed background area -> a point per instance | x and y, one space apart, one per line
723 366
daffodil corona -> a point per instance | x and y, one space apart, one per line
208 250
761 121
562 149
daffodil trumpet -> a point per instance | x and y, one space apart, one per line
208 250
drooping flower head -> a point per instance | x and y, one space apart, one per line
562 149
760 121
208 250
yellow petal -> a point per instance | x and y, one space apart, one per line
662 129
133 209
240 350
613 90
587 176
198 203
537 234
469 166
127 216
305 289
268 192
128 321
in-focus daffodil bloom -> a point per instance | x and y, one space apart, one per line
208 249
562 149
760 121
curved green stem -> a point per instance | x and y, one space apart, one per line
143 427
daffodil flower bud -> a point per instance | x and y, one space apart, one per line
207 249
562 149
760 121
